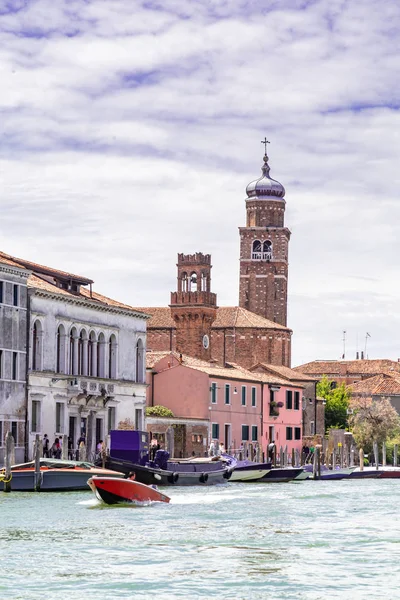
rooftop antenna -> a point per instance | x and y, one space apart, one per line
367 335
344 345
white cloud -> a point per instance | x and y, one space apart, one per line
130 130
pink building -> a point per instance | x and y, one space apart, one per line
239 406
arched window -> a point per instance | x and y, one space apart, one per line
140 362
204 282
92 354
37 346
73 352
193 282
101 355
61 349
80 353
112 357
267 250
256 253
184 282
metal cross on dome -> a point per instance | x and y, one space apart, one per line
265 142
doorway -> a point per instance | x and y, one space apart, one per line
227 436
72 431
271 434
99 430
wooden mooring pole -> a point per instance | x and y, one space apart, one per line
361 457
64 447
37 454
376 455
395 455
317 463
9 460
384 454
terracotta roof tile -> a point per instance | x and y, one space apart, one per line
235 316
160 316
350 367
286 372
227 316
379 385
7 261
43 269
234 372
38 283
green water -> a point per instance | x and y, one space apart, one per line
307 540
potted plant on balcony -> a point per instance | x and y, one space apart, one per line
273 408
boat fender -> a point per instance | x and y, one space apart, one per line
204 478
173 478
228 473
157 476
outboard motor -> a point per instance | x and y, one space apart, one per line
161 459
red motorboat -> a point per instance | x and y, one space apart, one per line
113 491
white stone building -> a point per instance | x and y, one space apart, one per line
86 359
13 335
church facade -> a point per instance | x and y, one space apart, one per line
254 331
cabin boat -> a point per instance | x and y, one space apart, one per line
56 475
129 451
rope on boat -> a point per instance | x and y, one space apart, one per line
3 476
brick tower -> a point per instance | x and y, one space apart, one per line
264 244
194 306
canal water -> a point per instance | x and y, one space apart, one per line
307 540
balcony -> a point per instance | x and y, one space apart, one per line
261 255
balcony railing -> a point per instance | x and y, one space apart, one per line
261 255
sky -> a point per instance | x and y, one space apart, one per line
130 129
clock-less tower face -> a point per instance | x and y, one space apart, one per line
264 245
194 305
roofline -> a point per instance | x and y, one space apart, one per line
36 267
87 302
14 269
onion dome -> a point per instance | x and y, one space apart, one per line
265 186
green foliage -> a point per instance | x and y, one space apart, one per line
337 403
374 421
158 411
389 449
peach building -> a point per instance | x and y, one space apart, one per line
238 405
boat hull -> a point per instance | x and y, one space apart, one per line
199 473
70 478
383 472
121 491
334 474
248 475
284 475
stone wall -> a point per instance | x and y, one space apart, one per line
190 436
13 333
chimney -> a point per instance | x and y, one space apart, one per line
362 354
357 356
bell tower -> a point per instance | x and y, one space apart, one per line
193 305
264 244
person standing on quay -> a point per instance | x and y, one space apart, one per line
46 452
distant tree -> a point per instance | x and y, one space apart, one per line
159 411
373 421
337 402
